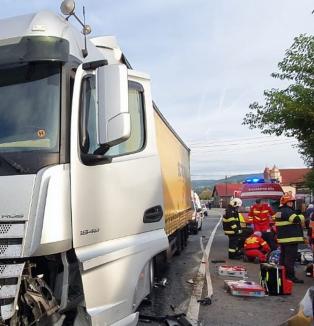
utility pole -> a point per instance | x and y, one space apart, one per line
226 189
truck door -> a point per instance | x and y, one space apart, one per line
116 190
110 196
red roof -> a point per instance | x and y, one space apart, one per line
227 189
293 176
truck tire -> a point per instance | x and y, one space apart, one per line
178 242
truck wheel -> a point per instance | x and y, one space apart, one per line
178 242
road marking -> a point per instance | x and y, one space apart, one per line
203 271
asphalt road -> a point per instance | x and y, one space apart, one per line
184 281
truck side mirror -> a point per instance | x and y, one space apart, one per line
114 123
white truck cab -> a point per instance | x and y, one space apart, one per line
80 186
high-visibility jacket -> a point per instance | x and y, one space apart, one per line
256 242
231 222
261 215
289 226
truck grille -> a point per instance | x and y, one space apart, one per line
10 280
11 240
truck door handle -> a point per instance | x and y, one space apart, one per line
153 214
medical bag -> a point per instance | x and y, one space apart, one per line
244 288
273 279
229 270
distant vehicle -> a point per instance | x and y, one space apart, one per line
198 215
204 210
269 191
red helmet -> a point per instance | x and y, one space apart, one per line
286 198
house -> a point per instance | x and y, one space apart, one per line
291 180
223 192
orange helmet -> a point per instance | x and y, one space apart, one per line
286 198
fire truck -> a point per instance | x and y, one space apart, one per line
269 191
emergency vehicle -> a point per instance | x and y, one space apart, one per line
269 191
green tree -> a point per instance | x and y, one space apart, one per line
290 111
205 194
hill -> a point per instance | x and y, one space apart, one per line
199 185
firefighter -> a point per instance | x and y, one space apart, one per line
256 248
290 233
232 228
261 214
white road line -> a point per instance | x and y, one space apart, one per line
194 306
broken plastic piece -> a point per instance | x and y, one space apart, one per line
205 301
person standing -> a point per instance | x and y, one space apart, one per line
261 214
232 228
290 233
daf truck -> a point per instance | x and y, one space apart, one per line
94 183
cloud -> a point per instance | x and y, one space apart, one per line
208 61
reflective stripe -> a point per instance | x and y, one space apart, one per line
293 216
241 218
229 219
231 250
229 232
256 212
279 281
258 218
293 239
234 226
266 211
282 223
267 277
263 243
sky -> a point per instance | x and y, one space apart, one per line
208 60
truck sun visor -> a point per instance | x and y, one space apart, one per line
34 48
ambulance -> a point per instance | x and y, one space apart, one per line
269 191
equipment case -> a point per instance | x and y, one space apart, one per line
228 270
273 279
244 288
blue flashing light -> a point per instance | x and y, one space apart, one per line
254 180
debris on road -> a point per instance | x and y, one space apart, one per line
162 283
218 261
169 320
205 301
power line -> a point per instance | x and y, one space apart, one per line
230 140
240 141
279 141
233 149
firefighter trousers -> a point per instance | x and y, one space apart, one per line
269 237
288 256
251 254
234 250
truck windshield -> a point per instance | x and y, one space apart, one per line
30 107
